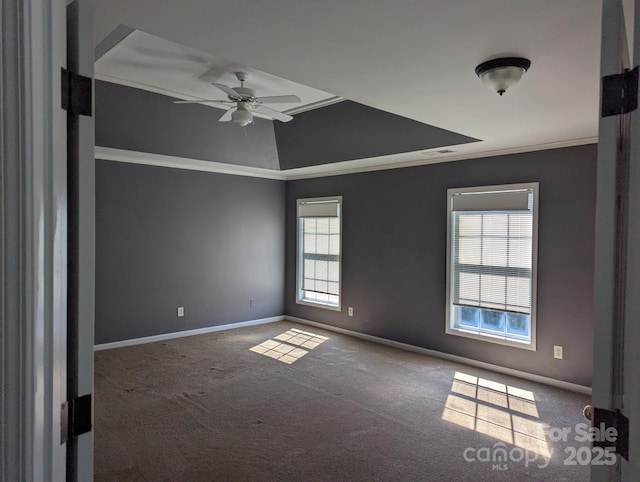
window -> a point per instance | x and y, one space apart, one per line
319 247
491 263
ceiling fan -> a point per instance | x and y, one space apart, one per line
246 102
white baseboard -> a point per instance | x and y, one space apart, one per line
382 341
180 334
446 356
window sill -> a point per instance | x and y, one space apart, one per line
500 340
318 304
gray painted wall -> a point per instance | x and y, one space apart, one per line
170 237
394 255
138 120
211 242
348 130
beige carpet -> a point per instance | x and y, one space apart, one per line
289 402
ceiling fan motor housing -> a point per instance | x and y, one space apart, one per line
245 92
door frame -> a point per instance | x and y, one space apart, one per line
81 245
632 306
616 360
33 249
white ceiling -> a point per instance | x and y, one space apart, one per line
151 63
414 58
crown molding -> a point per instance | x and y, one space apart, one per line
149 159
315 105
424 158
398 161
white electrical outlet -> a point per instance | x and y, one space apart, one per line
557 352
351 311
180 311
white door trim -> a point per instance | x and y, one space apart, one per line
608 388
33 247
632 314
80 21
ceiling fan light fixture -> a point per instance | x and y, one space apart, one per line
247 103
500 74
242 117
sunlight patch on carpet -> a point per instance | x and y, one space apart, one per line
289 346
506 413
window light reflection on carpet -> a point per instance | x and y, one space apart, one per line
503 412
289 346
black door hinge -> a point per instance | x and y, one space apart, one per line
77 93
613 430
75 417
620 93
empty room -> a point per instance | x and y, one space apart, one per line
345 240
324 259
281 234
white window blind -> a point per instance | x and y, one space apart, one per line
491 201
319 245
491 262
319 209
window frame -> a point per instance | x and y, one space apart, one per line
299 265
470 332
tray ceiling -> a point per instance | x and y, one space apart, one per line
412 59
151 63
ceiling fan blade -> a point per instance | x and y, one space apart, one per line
279 99
228 90
226 117
272 113
203 101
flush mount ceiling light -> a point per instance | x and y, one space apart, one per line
500 74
